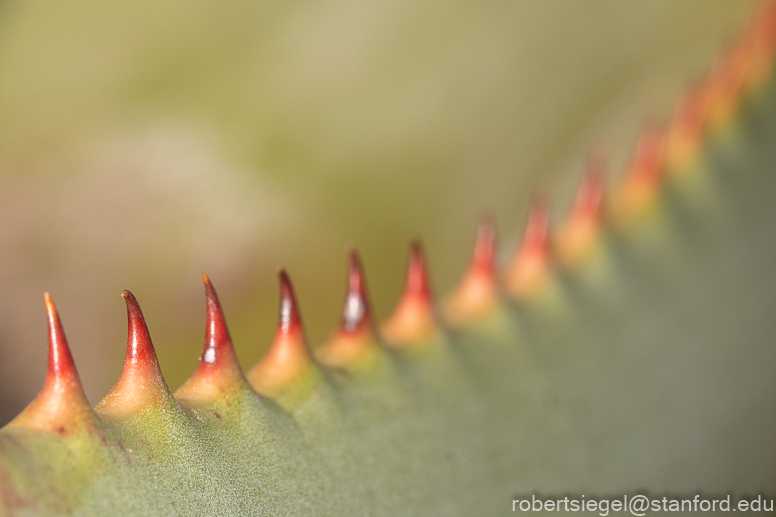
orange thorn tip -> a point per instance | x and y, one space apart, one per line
218 371
289 320
355 339
141 384
537 228
528 271
484 257
648 158
684 136
417 284
140 348
761 37
476 294
580 233
218 352
60 361
356 315
589 200
639 187
413 320
61 404
288 358
725 85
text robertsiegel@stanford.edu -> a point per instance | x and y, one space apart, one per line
639 505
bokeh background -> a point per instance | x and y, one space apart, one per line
142 142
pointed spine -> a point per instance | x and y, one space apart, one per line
476 295
529 270
218 372
413 321
580 233
355 339
61 404
640 185
357 313
760 42
141 384
685 134
725 85
289 359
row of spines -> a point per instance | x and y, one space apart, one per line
705 107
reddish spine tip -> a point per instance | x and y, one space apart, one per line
579 234
289 358
476 294
61 403
354 343
356 315
589 200
60 360
529 268
639 187
413 320
219 370
764 35
484 256
417 284
140 348
289 320
684 135
725 83
141 384
537 228
218 343
648 159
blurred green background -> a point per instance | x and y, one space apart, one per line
144 142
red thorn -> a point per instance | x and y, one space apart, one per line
140 348
484 257
476 294
765 21
354 344
537 228
289 320
725 84
61 403
289 357
413 320
417 283
529 268
356 315
588 202
648 159
218 370
761 38
685 134
141 383
580 232
60 360
219 350
640 185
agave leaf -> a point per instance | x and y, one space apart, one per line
634 354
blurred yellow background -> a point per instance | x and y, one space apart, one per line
144 142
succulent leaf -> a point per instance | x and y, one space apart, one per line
591 363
